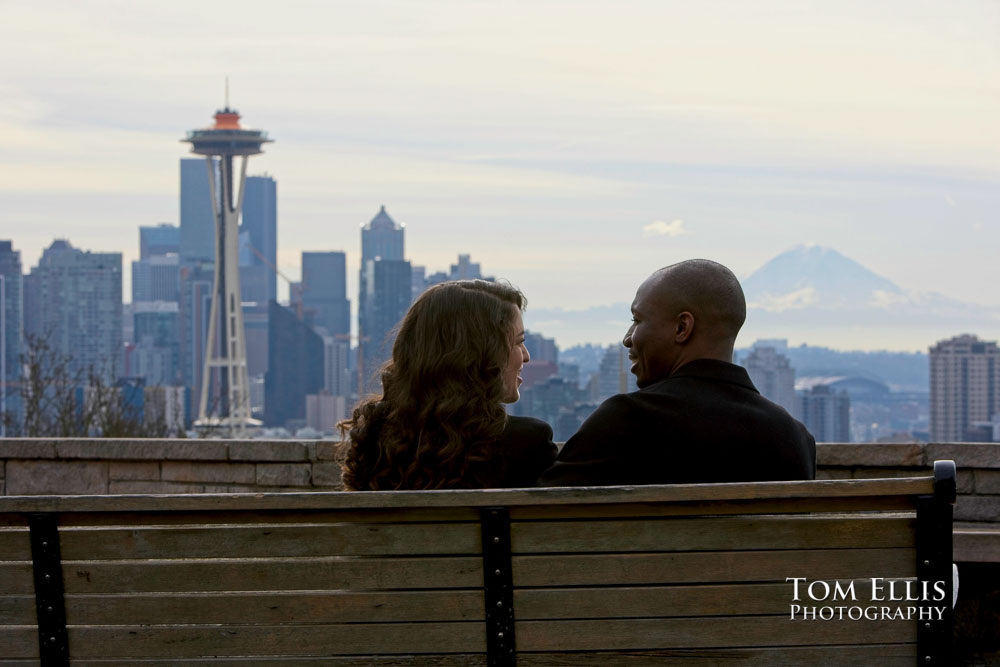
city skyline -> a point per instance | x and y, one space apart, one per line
570 153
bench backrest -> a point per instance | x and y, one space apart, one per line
543 576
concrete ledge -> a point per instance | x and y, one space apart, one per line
268 450
865 454
966 455
39 478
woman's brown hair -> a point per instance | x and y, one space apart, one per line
442 392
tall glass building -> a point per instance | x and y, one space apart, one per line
11 317
73 299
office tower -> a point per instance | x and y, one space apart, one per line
336 366
193 312
545 400
225 385
613 376
323 411
156 278
197 229
296 368
385 291
465 269
255 324
965 387
774 378
826 414
541 348
382 237
73 299
11 318
163 239
418 281
383 304
260 227
156 354
324 291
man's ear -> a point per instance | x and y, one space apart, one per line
684 327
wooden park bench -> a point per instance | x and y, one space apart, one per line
699 574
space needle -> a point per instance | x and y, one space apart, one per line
225 347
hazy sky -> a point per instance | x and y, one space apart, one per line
570 147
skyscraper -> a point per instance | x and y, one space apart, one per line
73 299
385 293
197 232
296 368
11 318
193 312
260 227
156 278
156 356
827 414
773 376
965 386
614 376
384 304
163 239
382 237
324 291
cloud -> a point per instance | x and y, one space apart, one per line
661 228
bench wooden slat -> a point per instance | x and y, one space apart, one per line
658 633
17 578
712 534
279 574
15 544
252 517
274 607
280 640
395 606
17 610
355 500
976 545
367 660
708 567
707 507
885 655
19 642
676 601
269 541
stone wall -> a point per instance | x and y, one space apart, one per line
38 466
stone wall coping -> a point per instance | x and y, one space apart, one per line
158 449
829 454
908 455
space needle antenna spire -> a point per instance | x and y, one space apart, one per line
224 400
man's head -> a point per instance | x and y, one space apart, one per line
686 311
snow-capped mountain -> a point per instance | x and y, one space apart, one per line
813 276
810 280
809 294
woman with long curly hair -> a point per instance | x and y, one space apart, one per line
440 422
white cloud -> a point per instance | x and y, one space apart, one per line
661 228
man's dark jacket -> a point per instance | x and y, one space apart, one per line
705 423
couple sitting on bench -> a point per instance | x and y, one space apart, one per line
696 417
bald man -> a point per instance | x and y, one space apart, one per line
696 416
